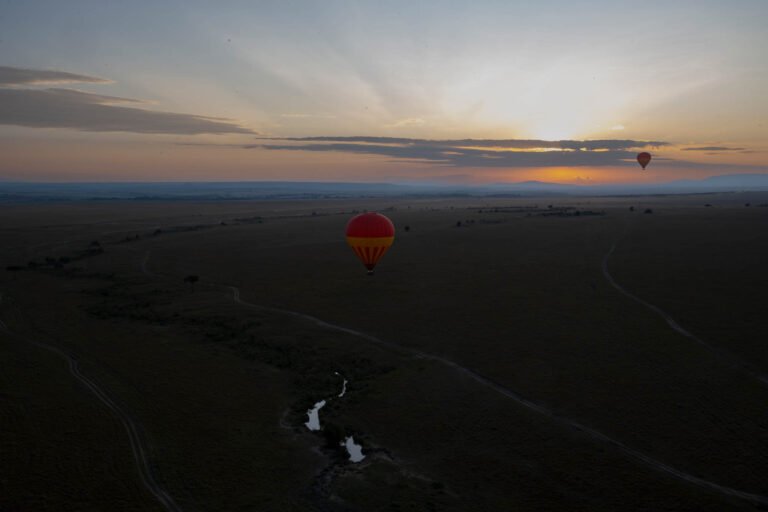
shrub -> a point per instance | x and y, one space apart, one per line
334 435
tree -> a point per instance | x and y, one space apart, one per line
15 269
192 279
334 435
648 210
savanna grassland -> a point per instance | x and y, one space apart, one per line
491 364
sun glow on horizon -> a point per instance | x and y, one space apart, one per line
553 133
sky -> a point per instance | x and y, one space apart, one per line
390 91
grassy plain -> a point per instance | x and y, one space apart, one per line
514 294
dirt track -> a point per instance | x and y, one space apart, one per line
596 435
131 424
726 356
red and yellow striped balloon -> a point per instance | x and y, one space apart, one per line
370 235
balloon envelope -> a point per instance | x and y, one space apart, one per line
370 235
643 159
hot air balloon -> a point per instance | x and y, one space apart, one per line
370 235
643 159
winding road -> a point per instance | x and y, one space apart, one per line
727 356
529 404
132 427
596 435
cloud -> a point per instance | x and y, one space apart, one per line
308 116
69 108
713 148
410 121
481 153
617 127
22 76
533 144
472 152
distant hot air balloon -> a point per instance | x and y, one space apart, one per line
643 159
370 235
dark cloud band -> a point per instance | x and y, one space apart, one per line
713 148
475 152
66 108
591 145
23 76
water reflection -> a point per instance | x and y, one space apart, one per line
355 450
314 416
343 386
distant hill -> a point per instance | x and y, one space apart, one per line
730 181
194 190
266 190
529 187
724 183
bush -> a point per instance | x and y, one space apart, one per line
334 435
192 279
